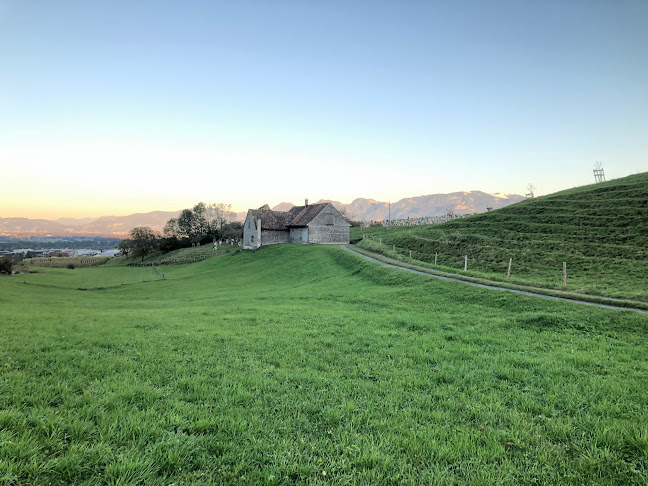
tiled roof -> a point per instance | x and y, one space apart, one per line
302 215
281 220
271 220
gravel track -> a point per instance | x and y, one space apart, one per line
350 248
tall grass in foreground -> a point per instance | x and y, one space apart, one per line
307 364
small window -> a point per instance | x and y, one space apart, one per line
329 219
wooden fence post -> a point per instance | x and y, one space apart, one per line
508 274
564 273
435 259
410 254
394 248
466 263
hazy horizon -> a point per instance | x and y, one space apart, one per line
120 108
236 210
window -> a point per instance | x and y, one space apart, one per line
329 220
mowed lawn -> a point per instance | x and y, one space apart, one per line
308 364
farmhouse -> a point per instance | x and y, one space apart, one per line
315 223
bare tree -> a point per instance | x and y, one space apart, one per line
530 190
219 214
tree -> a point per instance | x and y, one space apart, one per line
218 215
192 223
201 225
186 224
145 240
125 246
171 228
5 265
233 230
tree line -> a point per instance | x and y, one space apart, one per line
204 223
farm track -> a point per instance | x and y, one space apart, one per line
426 272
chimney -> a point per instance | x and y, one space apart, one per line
306 202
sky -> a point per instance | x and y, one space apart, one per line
112 108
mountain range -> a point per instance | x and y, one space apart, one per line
359 210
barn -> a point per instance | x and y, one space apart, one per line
315 223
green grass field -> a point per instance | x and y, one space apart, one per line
181 256
600 230
308 364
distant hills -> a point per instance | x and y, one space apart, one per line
358 210
111 226
421 206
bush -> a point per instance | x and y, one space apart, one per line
172 243
70 266
5 265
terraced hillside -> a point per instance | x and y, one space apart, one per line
600 230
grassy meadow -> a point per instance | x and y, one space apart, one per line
306 364
181 256
600 230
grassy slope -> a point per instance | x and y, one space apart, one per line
180 256
299 363
601 231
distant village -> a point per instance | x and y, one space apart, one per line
22 253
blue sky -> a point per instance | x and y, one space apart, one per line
120 107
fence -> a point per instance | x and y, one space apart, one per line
444 218
62 262
181 261
463 262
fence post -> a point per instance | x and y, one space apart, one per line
394 248
435 259
508 274
564 273
466 263
410 254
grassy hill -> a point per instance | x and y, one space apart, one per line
600 230
181 256
306 364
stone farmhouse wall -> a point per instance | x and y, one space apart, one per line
329 227
251 234
273 237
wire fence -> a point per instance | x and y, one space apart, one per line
455 262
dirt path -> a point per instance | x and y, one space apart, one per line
351 249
